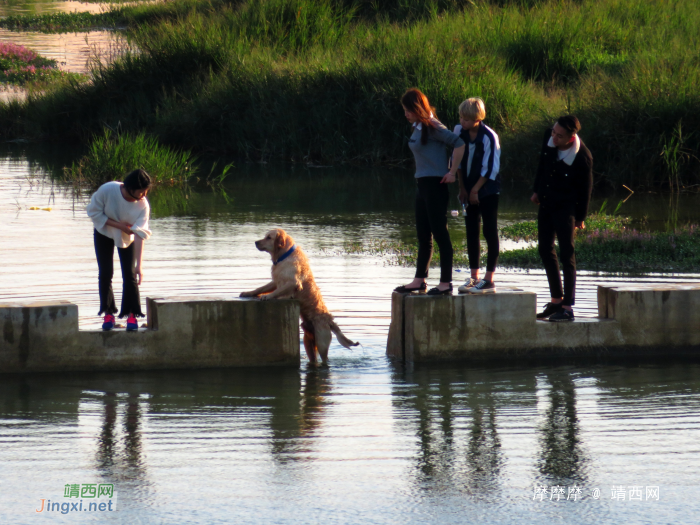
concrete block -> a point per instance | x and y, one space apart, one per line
664 315
33 331
467 326
183 333
579 337
227 331
395 341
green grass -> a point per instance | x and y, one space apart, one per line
628 251
617 250
59 22
320 80
110 156
595 222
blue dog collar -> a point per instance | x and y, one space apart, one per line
285 255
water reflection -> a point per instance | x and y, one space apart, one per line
457 428
562 458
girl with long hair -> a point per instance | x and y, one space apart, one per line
429 143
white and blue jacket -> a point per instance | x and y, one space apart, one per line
483 160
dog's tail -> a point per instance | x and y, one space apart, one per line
347 343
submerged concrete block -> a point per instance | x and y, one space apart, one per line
182 333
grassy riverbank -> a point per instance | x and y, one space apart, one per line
607 244
319 80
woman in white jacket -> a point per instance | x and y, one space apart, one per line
120 212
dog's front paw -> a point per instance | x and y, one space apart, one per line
266 297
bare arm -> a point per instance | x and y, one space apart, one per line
138 256
456 161
474 194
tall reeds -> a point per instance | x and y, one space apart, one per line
320 80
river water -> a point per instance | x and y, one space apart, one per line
363 441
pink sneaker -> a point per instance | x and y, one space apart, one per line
108 323
132 323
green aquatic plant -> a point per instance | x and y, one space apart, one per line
21 66
595 222
627 251
608 245
112 155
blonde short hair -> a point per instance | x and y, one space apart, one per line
473 109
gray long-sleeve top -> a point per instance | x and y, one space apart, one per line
431 158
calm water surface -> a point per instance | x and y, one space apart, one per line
364 441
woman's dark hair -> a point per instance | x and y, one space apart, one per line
417 103
570 123
137 180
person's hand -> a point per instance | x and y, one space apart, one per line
474 197
535 198
580 225
125 227
138 273
463 195
449 178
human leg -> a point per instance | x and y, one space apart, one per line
489 215
473 222
423 232
565 235
104 252
437 198
545 244
131 300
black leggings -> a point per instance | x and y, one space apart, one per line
131 301
559 222
487 209
432 198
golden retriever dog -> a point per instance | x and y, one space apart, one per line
292 277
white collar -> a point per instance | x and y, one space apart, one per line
571 152
419 126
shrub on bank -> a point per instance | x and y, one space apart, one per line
320 80
20 65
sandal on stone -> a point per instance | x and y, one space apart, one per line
437 291
402 289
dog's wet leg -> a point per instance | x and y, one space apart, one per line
323 341
309 341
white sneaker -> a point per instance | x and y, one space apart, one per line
482 287
466 286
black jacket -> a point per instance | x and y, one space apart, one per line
559 185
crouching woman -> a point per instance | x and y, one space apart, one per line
119 213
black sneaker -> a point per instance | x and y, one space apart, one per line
421 289
549 309
437 291
562 315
